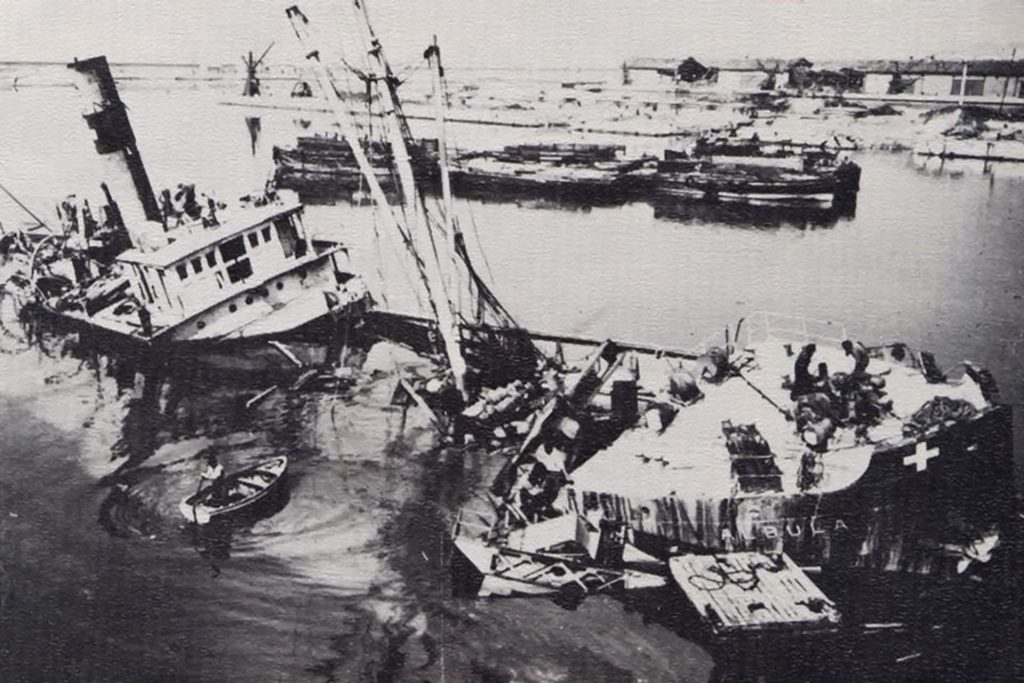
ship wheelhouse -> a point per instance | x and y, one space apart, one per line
255 262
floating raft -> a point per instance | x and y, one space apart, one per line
747 593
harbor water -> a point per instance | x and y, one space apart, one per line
101 579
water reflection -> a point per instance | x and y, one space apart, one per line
751 216
214 541
335 190
252 124
559 197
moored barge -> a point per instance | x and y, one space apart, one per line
322 161
558 171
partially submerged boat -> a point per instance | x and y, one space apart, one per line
242 491
209 274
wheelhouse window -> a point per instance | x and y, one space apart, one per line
266 233
232 249
254 239
197 265
974 86
239 270
182 270
211 258
287 235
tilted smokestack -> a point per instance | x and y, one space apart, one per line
114 134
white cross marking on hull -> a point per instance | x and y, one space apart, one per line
921 455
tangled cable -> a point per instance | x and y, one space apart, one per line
718 577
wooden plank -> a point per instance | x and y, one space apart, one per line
418 400
286 352
260 396
781 595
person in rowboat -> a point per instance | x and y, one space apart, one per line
214 473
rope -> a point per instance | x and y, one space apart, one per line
718 578
25 208
762 394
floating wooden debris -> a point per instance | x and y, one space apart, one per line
745 593
566 556
286 352
258 398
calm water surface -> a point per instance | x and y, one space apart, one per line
347 581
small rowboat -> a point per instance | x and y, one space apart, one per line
243 489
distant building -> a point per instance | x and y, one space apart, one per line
986 79
932 77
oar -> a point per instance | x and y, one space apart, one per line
195 517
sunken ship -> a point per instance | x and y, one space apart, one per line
179 271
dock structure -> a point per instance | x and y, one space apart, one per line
747 594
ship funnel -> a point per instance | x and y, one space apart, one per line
115 140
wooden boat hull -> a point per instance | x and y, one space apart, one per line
246 488
761 185
727 187
318 162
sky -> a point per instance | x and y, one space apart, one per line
517 33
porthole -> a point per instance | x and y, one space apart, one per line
232 308
280 285
248 300
200 325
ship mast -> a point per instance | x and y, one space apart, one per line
433 57
416 234
485 299
399 136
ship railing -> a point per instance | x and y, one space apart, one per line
764 325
